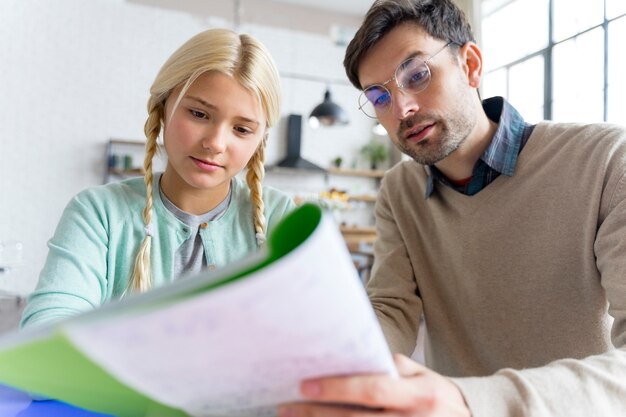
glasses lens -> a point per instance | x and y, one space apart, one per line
413 75
375 100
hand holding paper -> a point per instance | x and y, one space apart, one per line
233 343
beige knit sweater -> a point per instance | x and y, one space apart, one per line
519 282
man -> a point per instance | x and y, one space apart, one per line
509 238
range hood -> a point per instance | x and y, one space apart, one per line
294 141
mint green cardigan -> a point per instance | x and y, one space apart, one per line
92 251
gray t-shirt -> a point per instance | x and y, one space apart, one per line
189 258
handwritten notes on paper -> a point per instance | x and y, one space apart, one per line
243 348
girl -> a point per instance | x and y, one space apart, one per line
214 100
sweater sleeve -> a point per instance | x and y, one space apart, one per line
392 288
592 386
73 279
278 206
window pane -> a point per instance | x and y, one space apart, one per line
578 78
573 16
617 69
506 35
526 88
494 84
615 8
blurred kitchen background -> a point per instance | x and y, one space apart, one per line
75 74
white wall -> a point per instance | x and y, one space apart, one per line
74 73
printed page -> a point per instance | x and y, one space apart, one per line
243 348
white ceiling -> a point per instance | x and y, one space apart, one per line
352 7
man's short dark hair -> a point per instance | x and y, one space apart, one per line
441 19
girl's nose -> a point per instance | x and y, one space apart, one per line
215 139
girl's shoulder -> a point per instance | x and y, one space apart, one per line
122 195
272 197
275 197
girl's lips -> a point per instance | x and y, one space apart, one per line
205 165
420 135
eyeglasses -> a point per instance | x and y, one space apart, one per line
411 76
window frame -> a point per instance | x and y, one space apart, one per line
547 53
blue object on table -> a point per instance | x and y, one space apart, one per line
15 403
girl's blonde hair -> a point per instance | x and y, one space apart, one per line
239 56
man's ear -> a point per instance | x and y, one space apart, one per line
472 63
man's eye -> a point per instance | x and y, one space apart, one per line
378 96
416 78
382 100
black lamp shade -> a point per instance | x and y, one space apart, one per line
328 113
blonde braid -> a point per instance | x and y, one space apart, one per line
141 279
254 177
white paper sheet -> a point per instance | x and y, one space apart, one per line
247 345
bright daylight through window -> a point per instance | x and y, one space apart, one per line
556 59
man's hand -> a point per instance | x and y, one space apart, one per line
418 392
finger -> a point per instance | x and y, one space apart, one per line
375 391
408 367
323 410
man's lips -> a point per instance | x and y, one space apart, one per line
418 133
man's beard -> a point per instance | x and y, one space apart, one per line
452 133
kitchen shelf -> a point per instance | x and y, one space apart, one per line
124 159
370 173
358 229
355 236
133 171
364 198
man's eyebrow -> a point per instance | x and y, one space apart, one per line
420 54
214 107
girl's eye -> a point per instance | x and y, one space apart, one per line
243 130
198 114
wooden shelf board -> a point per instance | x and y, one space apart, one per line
365 197
127 142
354 236
371 173
134 171
357 230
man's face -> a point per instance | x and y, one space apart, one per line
428 125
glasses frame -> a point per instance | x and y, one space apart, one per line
400 86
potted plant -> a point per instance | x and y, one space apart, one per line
375 152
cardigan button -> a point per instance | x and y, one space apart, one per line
211 267
204 225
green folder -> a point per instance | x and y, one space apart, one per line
47 363
46 360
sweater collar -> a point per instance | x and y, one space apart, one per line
503 150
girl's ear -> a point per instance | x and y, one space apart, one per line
472 63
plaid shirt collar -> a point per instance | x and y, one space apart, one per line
501 154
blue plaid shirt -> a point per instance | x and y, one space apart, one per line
500 156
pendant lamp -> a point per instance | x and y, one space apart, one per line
328 113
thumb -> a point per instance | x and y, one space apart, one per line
408 367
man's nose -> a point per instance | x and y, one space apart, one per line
403 103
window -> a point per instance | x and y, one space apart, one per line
575 16
617 68
526 88
578 78
556 59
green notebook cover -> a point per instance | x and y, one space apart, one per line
45 362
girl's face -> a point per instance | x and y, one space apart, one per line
209 137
